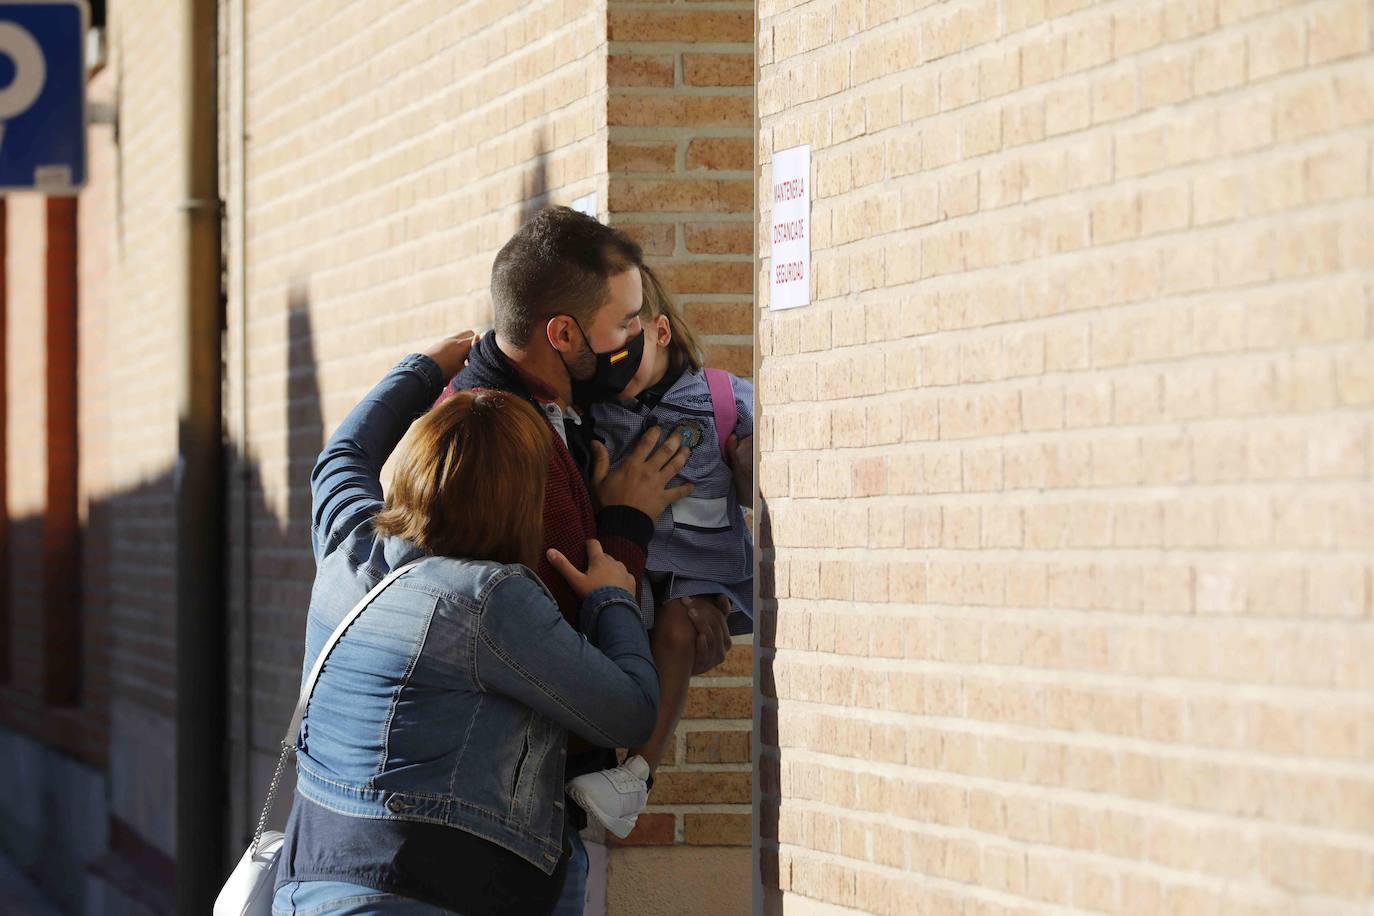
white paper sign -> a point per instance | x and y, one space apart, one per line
790 283
586 204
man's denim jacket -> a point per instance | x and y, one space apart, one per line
450 698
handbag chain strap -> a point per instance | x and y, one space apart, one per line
286 750
288 745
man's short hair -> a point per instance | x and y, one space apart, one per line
558 263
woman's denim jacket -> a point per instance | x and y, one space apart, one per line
450 698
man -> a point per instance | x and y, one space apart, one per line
567 295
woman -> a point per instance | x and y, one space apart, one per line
430 763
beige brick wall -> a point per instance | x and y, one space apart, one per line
680 158
140 378
1068 464
391 149
26 289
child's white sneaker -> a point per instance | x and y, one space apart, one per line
615 796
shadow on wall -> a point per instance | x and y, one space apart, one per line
275 573
536 184
95 841
768 768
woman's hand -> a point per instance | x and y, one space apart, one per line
451 353
602 570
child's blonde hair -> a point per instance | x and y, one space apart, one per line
683 349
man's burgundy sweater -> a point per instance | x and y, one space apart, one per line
570 517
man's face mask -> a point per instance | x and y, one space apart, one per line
614 369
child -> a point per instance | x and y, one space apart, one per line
700 559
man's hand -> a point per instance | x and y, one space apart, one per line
641 479
707 613
451 353
740 455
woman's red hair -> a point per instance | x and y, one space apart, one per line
469 481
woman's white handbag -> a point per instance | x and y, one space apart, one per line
249 890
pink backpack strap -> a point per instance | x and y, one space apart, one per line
722 405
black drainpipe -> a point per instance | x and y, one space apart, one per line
201 646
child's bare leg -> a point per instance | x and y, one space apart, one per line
673 643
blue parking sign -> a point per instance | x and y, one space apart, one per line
42 96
